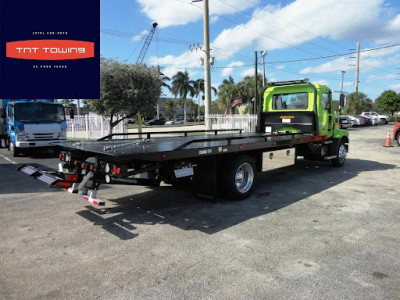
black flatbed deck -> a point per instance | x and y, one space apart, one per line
188 146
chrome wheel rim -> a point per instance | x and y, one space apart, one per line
342 153
244 177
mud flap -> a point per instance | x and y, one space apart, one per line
205 181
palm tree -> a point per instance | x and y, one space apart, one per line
228 90
164 84
170 109
199 88
182 86
247 87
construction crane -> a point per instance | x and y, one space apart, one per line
146 44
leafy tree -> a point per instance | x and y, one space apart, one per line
389 101
358 102
165 84
68 102
170 109
199 89
247 87
126 87
182 86
228 90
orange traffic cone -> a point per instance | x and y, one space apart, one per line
388 142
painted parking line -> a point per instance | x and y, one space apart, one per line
9 160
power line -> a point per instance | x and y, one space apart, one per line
294 24
231 54
250 29
273 25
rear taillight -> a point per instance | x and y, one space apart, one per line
64 184
71 177
115 170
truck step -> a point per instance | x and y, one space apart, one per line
91 197
94 201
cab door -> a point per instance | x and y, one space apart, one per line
326 123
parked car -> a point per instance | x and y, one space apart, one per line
155 122
200 118
375 121
131 120
383 119
175 122
354 121
396 133
345 122
367 120
358 121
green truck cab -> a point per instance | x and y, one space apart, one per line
298 106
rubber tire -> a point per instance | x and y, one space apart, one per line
230 171
7 142
13 150
341 153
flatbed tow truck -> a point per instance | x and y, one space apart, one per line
295 119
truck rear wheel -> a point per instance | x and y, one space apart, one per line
341 153
238 177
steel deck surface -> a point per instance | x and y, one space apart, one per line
123 147
135 148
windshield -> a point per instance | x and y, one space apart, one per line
39 112
290 101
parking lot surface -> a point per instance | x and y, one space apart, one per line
309 231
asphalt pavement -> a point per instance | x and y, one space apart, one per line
309 231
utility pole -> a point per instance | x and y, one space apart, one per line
357 66
341 86
207 73
79 107
263 53
255 84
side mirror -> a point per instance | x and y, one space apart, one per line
71 113
2 113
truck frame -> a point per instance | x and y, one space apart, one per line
295 119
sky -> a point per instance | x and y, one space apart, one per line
313 39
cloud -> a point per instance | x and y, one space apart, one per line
138 37
348 83
381 77
181 12
322 82
249 72
229 69
275 27
172 64
395 87
368 62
